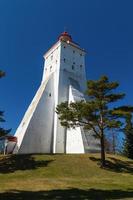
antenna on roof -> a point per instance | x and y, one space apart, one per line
65 29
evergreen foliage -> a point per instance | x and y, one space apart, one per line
2 73
128 144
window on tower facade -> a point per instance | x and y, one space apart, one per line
64 47
64 60
81 66
72 67
23 124
50 68
73 51
52 57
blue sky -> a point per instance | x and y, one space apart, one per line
104 28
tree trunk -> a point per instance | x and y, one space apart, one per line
113 142
102 150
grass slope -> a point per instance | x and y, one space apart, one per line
64 177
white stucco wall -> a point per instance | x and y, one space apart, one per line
74 140
20 132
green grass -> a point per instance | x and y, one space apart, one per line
65 177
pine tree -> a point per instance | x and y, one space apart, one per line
95 114
128 144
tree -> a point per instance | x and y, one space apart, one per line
3 132
2 73
95 113
128 144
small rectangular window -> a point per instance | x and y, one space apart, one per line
50 68
72 67
23 124
52 57
64 60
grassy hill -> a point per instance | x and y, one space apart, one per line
64 177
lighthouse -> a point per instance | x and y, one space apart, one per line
64 79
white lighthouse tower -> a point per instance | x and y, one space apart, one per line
64 79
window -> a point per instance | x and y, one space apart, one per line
23 124
49 95
56 61
64 60
64 47
50 68
74 63
80 54
52 57
81 66
72 67
73 51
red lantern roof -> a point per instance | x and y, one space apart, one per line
65 37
